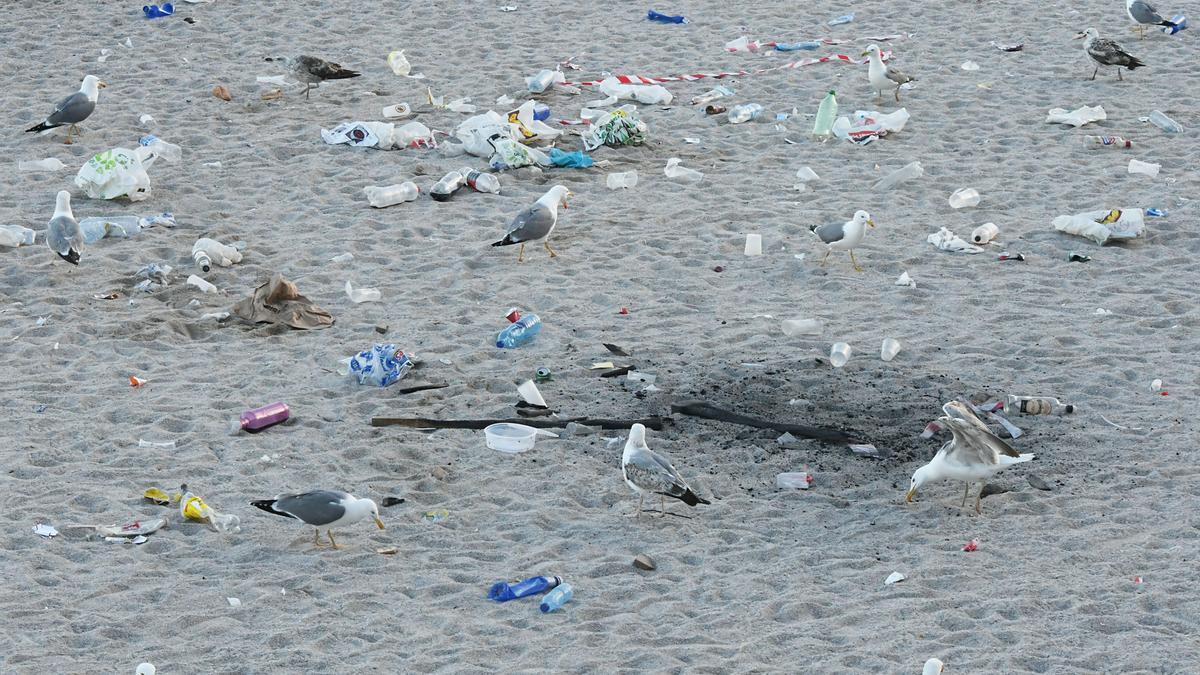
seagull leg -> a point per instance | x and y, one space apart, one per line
307 86
663 507
317 537
979 498
1095 71
827 252
897 94
1119 75
966 493
546 243
854 262
521 253
639 510
69 129
329 533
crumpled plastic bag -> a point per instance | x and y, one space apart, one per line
118 172
573 160
868 125
1077 117
380 135
509 154
528 128
945 240
650 94
1101 226
279 301
380 365
616 128
475 131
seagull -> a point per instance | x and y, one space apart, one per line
1144 14
844 237
63 235
881 76
322 508
536 222
973 455
932 667
313 71
73 109
1105 52
647 471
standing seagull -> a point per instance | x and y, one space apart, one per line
63 235
73 109
882 77
1144 14
322 508
647 471
313 71
536 222
1105 52
844 237
973 455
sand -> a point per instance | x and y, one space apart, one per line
762 580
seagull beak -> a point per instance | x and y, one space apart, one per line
101 85
908 496
1079 36
379 522
867 53
871 222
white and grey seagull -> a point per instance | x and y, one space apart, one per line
73 109
536 222
973 455
1143 14
322 509
63 235
312 71
1105 52
844 237
884 77
645 471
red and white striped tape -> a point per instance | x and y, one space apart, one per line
691 77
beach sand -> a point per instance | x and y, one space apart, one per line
762 580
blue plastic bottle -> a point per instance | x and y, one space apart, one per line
502 591
520 332
557 598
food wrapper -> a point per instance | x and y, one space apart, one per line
136 528
614 129
380 365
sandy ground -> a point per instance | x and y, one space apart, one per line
760 581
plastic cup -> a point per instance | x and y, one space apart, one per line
530 394
964 198
754 244
795 481
889 349
839 354
794 327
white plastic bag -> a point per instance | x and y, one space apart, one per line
360 134
945 240
650 94
1078 117
867 125
528 128
510 154
1100 226
117 173
475 131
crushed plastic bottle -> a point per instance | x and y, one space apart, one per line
627 179
447 186
1158 119
97 227
666 18
744 113
48 164
502 591
390 195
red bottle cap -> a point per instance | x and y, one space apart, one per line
513 315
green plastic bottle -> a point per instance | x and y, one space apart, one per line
826 114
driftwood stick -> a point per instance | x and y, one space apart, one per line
655 423
712 412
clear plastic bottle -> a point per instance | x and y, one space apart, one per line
556 598
381 197
744 112
1158 119
907 172
202 259
627 179
826 114
480 181
447 186
96 228
794 327
16 235
502 591
520 332
48 164
1108 141
1036 405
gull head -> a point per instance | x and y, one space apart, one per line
91 86
863 218
561 194
1090 34
872 50
637 435
370 507
920 477
62 203
933 667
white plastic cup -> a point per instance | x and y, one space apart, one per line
754 244
985 233
619 180
964 197
794 327
839 354
890 348
1137 166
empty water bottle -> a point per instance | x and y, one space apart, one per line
794 327
744 112
502 591
542 80
826 114
390 195
447 186
906 172
1165 123
712 95
1036 405
96 228
557 598
48 164
481 182
522 331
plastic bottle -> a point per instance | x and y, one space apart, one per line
1036 405
744 112
520 332
1108 141
201 258
627 179
156 12
48 164
794 327
502 591
541 112
712 95
906 172
845 18
556 598
447 186
96 228
839 354
826 114
985 233
168 151
390 195
15 235
543 79
261 418
1165 123
203 285
481 182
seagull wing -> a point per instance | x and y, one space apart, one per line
830 233
326 70
1108 52
531 224
898 76
973 442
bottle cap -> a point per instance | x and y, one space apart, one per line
513 315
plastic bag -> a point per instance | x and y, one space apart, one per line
945 240
1078 117
1100 226
118 173
650 94
475 131
614 129
510 154
360 134
867 125
573 160
528 127
192 507
380 365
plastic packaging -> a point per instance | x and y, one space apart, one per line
1158 119
543 79
1108 141
985 233
502 591
889 349
390 195
826 115
744 113
481 182
96 228
203 285
16 235
712 95
513 438
1147 168
530 394
156 12
447 186
556 598
361 294
161 148
398 63
839 354
263 417
48 164
845 18
964 197
907 172
192 507
680 173
798 480
380 365
805 175
665 18
522 331
1036 405
753 244
794 327
627 179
